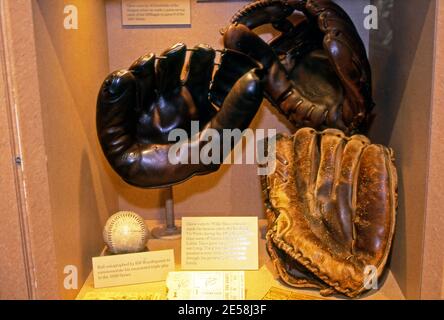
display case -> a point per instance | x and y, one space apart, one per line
58 189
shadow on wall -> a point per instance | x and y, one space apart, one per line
392 54
154 199
89 219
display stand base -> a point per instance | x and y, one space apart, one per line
166 233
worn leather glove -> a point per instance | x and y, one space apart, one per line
331 204
318 73
138 108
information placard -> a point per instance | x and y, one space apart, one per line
132 268
155 12
220 243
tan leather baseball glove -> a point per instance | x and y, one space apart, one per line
331 203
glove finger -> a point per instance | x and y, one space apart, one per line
376 204
332 144
306 159
200 72
241 104
240 38
169 68
233 65
332 18
329 23
115 105
143 71
346 53
345 186
353 74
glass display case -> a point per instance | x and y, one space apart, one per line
58 189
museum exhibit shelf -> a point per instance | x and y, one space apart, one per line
58 190
257 282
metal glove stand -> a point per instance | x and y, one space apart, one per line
170 231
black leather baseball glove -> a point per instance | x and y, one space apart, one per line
138 108
317 71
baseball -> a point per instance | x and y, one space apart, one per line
125 232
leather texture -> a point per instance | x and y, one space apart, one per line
331 205
318 73
137 109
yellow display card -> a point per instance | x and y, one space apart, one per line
155 12
220 243
132 268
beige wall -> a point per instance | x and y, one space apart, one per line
433 273
71 66
402 69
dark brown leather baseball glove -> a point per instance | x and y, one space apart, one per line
331 205
318 73
138 108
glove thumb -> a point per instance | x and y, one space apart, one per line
239 38
242 103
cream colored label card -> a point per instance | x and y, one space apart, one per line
281 294
117 295
132 268
220 243
155 12
206 285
